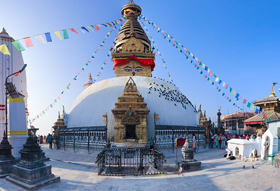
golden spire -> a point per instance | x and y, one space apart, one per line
219 109
272 93
89 76
204 113
4 31
58 115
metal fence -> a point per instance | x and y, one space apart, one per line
89 138
166 135
129 161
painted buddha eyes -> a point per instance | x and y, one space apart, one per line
129 69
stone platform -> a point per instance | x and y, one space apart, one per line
49 180
185 166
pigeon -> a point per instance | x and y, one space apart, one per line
243 166
149 92
253 167
175 104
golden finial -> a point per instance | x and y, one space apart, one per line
205 113
89 76
4 31
63 109
58 115
219 109
131 2
272 91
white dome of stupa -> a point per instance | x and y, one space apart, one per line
100 98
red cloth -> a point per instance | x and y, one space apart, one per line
144 61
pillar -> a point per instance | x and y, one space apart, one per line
17 125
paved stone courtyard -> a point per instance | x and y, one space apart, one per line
78 172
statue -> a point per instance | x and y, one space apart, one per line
266 147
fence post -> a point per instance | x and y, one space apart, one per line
173 140
88 142
64 139
74 140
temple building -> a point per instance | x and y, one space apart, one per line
11 64
133 106
234 123
271 111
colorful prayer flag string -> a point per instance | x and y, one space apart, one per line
28 42
190 57
157 50
68 86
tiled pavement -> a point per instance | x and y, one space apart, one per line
78 172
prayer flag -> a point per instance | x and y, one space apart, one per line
90 28
73 30
220 81
252 108
28 42
84 28
4 49
237 95
224 83
18 46
65 34
249 105
210 73
48 37
40 39
257 111
206 68
226 87
233 92
57 33
81 30
244 101
230 89
203 65
97 27
217 79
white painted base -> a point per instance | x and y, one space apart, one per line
17 144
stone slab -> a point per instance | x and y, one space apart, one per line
33 186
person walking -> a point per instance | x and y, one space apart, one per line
194 146
49 138
217 142
223 140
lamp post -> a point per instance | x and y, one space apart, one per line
5 147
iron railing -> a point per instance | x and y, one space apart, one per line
129 161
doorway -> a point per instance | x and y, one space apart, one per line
130 132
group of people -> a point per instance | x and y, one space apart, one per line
220 141
40 139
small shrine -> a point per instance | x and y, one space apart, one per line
130 115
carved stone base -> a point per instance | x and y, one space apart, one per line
32 178
187 166
6 167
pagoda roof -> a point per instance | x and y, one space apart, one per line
273 115
237 115
267 99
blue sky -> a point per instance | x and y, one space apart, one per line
238 40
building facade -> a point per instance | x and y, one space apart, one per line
234 123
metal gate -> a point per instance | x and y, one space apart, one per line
129 161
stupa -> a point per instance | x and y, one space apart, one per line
132 99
